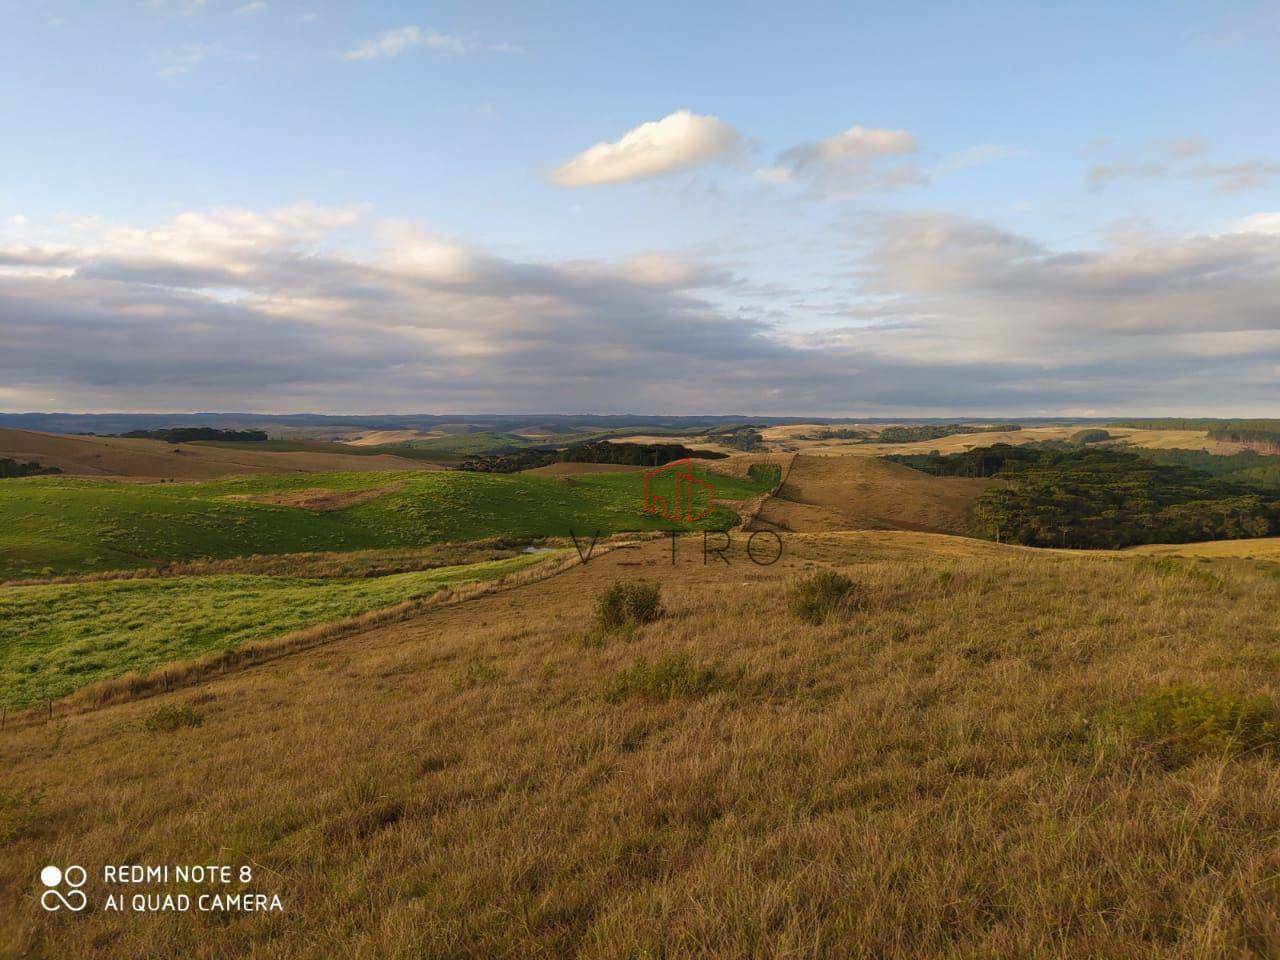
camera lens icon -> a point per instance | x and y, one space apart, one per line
53 898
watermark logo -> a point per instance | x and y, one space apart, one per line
676 493
671 491
53 898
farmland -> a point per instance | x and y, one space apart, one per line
56 638
107 525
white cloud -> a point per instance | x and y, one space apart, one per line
1233 177
392 43
1104 174
449 44
251 8
1177 155
859 159
678 141
182 6
1258 223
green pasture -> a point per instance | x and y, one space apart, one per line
61 525
56 638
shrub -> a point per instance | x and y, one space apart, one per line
172 717
666 679
1182 722
815 598
628 604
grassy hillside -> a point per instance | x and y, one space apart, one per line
125 457
104 526
864 493
1254 548
54 639
979 757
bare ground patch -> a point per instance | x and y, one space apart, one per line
319 499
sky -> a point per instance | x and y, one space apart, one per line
837 209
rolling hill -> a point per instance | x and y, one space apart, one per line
109 525
154 459
864 493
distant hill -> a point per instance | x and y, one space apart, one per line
124 457
867 493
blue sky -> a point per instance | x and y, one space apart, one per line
834 208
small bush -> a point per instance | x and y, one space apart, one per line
815 598
667 679
629 604
172 717
1182 722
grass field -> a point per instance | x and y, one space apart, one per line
55 525
962 763
140 457
55 639
860 493
1258 548
787 437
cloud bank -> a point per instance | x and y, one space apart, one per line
272 310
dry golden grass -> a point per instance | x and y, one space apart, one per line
1263 548
861 493
788 437
932 774
693 441
580 469
373 438
1176 440
121 457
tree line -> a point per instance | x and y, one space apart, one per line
1101 498
592 451
15 468
189 434
936 431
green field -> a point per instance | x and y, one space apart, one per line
57 638
59 525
